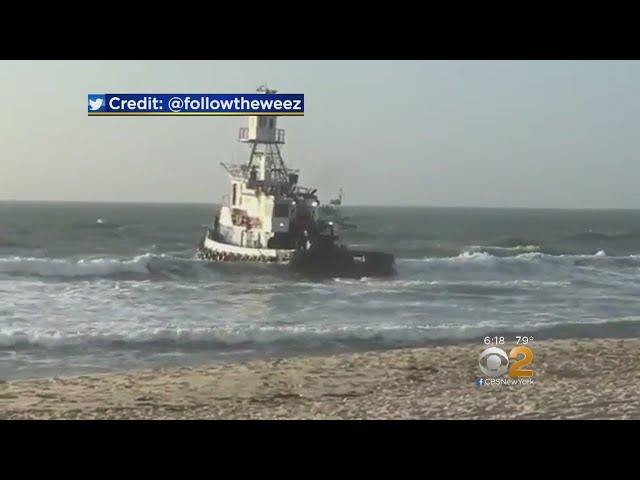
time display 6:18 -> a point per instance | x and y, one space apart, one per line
500 340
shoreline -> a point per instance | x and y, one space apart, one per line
574 378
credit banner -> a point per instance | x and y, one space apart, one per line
195 104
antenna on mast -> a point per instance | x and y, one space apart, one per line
264 89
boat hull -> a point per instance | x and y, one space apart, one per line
343 263
321 262
213 251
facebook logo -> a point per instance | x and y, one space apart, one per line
479 382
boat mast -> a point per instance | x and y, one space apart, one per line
264 138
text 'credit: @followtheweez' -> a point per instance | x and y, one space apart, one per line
280 104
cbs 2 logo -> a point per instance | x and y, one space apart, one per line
494 362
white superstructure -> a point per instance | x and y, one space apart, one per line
266 213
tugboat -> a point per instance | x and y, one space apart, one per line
269 217
323 257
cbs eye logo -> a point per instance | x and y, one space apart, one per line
494 362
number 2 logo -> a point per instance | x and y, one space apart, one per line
517 369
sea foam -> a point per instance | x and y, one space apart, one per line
60 267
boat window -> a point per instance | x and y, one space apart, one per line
235 194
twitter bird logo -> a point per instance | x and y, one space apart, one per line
96 103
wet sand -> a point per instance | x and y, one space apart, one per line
587 379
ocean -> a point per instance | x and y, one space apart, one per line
106 287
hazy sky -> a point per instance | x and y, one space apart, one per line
459 133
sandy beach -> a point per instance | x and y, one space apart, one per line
574 379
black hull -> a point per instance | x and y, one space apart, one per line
343 263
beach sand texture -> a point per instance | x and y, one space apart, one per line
574 379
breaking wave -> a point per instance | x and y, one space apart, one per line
144 266
150 265
480 256
55 267
501 251
530 263
140 266
307 338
